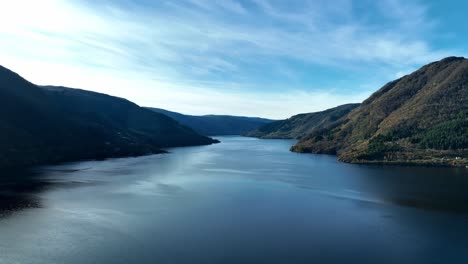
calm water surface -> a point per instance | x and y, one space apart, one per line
242 201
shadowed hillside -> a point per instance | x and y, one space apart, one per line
216 125
40 125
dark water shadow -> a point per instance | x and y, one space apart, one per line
434 189
20 189
424 188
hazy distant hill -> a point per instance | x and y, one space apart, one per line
300 125
53 124
419 118
212 125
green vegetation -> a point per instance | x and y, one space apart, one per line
452 135
418 119
379 148
302 124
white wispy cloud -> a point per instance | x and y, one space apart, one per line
197 56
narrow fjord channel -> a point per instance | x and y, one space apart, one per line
241 201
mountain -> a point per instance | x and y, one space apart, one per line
421 118
300 125
41 125
216 125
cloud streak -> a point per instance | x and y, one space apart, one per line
234 57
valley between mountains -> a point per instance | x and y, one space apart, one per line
419 119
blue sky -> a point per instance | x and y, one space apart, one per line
269 58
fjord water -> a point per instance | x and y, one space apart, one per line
241 201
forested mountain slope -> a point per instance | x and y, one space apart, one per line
300 125
419 118
216 125
40 125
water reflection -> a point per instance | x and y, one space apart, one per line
21 189
241 201
17 191
426 188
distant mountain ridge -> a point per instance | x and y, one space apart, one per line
41 125
421 118
300 125
216 125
